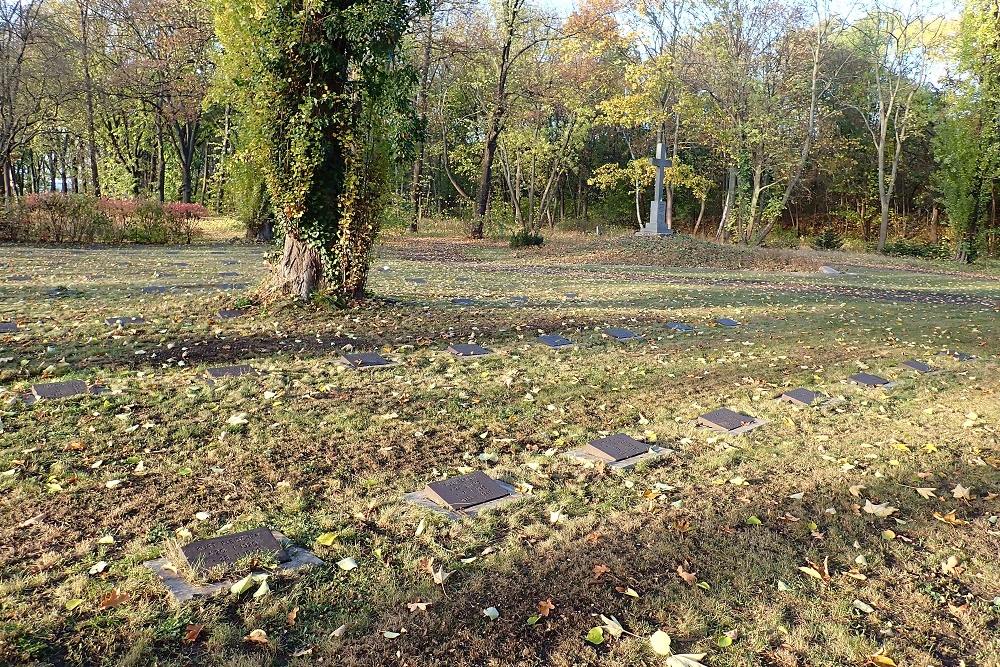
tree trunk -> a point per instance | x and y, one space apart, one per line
300 271
88 84
486 177
418 160
727 208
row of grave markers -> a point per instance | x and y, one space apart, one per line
464 495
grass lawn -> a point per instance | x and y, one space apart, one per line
753 549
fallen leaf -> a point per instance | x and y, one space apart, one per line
73 604
292 615
491 613
961 493
326 539
689 578
347 564
192 632
113 599
257 636
600 570
927 492
418 606
545 607
884 510
596 636
660 641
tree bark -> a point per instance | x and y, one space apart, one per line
418 160
300 272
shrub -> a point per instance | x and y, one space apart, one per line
921 249
525 239
828 239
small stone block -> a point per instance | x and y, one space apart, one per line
679 327
554 340
918 366
617 447
468 350
230 371
203 555
622 335
53 390
466 491
8 327
868 380
228 314
725 420
123 321
366 360
801 396
726 322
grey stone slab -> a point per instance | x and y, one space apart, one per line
124 320
8 327
182 590
622 335
729 421
231 371
802 396
366 361
918 366
56 390
679 327
466 491
465 350
727 322
869 380
203 555
554 341
829 270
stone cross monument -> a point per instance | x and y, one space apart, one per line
657 225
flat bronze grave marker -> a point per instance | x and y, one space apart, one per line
468 350
801 396
869 380
230 371
155 289
55 390
416 280
228 274
203 555
19 279
617 447
956 354
622 335
8 327
679 327
366 360
466 491
728 421
463 301
554 340
230 313
918 366
727 322
124 321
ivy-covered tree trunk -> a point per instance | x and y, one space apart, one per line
325 98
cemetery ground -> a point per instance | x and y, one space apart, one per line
861 531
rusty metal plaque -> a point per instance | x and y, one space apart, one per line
617 447
466 491
725 419
203 555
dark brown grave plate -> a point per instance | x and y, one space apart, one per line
961 356
726 322
230 371
622 335
51 390
725 419
680 327
617 447
917 366
203 555
8 327
468 350
463 301
155 289
416 280
801 396
465 491
228 274
868 380
366 360
123 321
554 340
228 314
19 279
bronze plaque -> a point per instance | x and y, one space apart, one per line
917 366
123 321
59 389
8 327
617 447
203 555
726 322
679 327
230 371
622 335
725 419
466 491
801 396
366 360
868 380
554 340
228 314
468 350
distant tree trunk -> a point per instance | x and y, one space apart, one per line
727 208
88 86
221 167
418 160
486 176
